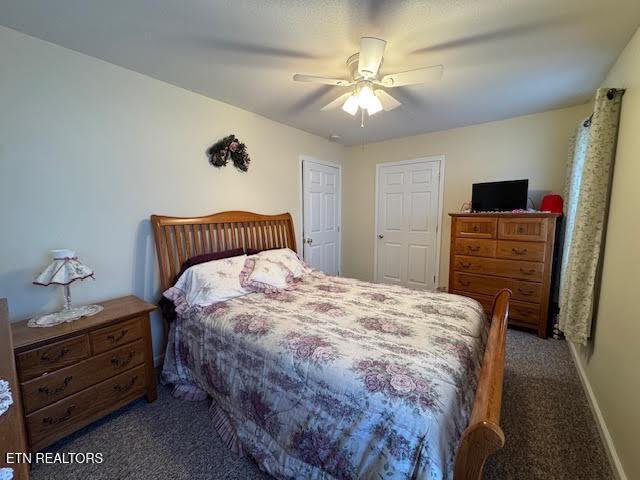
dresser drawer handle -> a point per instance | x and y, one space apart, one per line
120 336
63 418
519 251
465 264
473 249
61 388
520 229
119 363
531 271
127 386
526 293
46 358
465 283
475 228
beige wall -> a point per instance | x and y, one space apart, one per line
612 360
89 150
532 146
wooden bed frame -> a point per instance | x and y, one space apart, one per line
178 239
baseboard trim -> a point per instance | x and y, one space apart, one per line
605 436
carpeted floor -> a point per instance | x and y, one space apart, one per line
550 431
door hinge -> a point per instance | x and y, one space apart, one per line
338 228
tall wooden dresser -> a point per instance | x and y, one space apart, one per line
491 251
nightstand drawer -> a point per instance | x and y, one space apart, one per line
63 417
116 335
45 390
34 363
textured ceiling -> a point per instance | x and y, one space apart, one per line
502 57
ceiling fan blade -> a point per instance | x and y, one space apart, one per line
324 80
387 101
337 102
370 56
413 77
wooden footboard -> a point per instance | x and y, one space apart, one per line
483 436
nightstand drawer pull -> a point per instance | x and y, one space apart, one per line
63 418
519 251
474 249
530 271
119 363
46 358
526 293
466 283
59 389
465 264
117 338
127 386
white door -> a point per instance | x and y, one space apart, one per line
407 223
321 211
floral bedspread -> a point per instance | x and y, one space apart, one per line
337 378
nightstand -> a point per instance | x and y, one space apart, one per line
75 373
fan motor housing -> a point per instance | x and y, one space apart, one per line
352 65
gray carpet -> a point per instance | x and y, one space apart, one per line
550 431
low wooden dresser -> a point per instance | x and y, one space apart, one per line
74 373
491 251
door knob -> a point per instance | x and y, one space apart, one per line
380 235
308 240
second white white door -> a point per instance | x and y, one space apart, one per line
321 211
408 196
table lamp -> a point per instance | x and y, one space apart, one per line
63 270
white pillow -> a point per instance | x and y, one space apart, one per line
261 274
208 283
288 258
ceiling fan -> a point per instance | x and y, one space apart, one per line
368 92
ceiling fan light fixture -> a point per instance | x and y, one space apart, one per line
374 105
365 96
351 105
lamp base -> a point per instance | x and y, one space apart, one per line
65 315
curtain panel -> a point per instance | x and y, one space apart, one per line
587 192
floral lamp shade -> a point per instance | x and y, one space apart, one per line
63 270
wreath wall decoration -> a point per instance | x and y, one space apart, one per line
229 148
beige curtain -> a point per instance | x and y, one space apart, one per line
587 193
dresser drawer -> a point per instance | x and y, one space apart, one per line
521 312
471 227
34 363
527 229
67 415
524 312
42 391
531 271
476 247
529 251
488 285
116 335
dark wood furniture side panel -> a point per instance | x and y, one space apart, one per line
13 435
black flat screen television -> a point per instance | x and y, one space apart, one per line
499 196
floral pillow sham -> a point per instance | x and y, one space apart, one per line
208 283
288 259
262 274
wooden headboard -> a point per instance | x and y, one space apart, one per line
179 238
